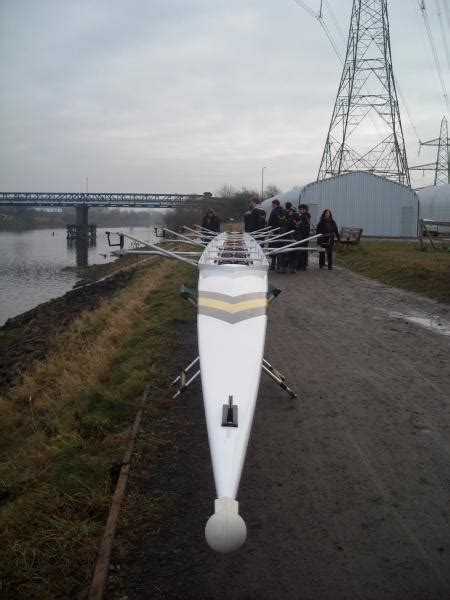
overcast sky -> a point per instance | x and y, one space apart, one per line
188 95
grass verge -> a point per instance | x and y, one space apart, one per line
403 265
63 431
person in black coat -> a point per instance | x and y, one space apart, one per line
247 218
277 215
303 231
290 258
277 219
328 228
211 221
255 217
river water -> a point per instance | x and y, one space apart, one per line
34 264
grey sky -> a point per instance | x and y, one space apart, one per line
185 96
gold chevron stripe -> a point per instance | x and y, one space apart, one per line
232 308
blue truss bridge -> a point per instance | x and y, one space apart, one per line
106 200
82 202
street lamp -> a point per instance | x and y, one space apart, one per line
87 185
262 184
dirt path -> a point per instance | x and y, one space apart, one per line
345 490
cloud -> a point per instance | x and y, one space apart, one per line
171 94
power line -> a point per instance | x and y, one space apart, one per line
307 8
320 18
331 39
447 12
444 37
406 109
426 20
368 61
336 22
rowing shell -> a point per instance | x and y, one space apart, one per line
232 318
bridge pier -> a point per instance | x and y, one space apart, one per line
81 229
81 214
80 246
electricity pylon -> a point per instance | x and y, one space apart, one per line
365 132
441 167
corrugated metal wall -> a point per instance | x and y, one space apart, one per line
381 207
435 203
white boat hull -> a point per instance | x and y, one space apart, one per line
231 325
231 346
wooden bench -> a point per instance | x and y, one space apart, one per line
439 230
350 236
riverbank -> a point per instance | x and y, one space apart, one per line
64 426
28 337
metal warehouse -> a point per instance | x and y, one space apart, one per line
380 206
435 202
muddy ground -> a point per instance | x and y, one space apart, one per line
345 490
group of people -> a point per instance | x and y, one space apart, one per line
296 224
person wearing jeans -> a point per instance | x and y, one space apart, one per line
328 228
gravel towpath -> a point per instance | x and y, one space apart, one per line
345 490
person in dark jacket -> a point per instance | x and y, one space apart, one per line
277 220
290 259
255 218
211 221
247 218
276 214
328 228
303 231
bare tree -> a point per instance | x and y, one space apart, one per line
228 203
226 191
271 191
